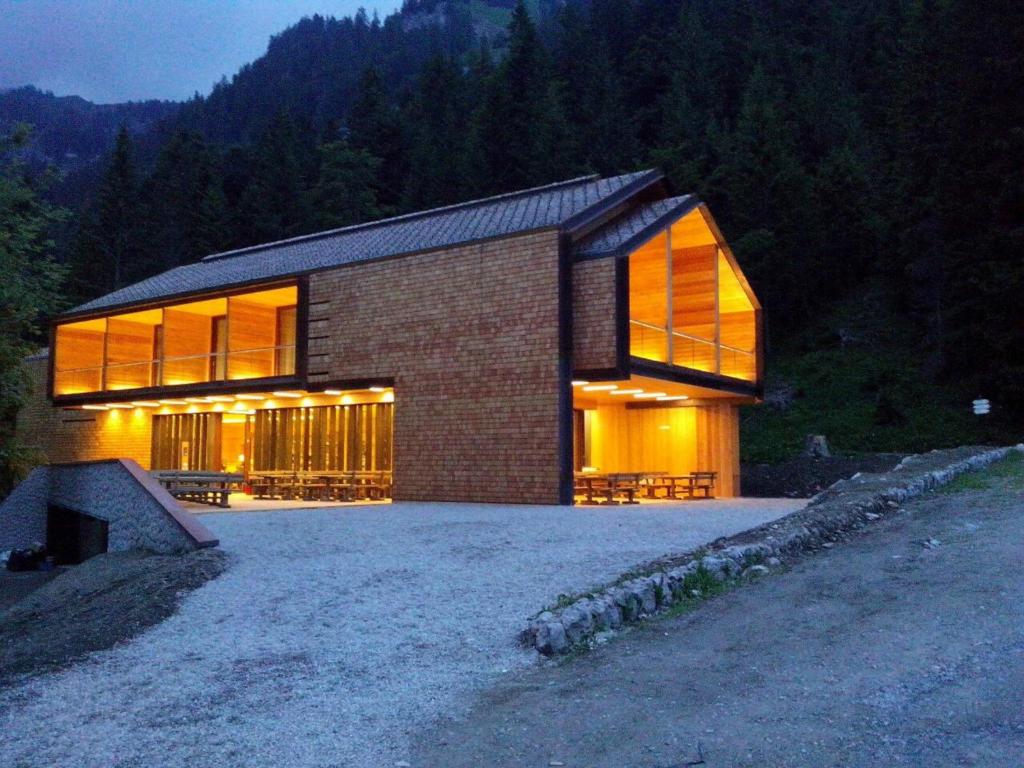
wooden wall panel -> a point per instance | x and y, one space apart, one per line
693 291
644 440
718 445
129 354
252 333
186 347
202 432
675 440
79 360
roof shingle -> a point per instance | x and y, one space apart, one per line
550 206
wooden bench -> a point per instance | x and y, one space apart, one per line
212 488
704 482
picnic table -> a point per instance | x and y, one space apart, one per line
321 485
607 488
211 488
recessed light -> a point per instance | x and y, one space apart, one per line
250 397
626 392
145 404
220 399
197 399
670 398
287 394
173 402
600 388
95 408
119 405
650 395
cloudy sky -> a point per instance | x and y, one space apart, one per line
116 50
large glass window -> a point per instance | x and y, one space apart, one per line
688 305
247 336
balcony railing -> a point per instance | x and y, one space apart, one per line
650 342
175 371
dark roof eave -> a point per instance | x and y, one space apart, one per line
586 221
692 202
282 279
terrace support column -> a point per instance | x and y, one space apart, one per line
565 370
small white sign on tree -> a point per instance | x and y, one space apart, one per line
981 407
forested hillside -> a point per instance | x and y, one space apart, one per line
862 157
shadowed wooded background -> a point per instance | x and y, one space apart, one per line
862 156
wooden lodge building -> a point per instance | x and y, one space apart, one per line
481 352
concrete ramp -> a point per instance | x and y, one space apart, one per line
139 513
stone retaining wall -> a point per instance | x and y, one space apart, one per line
846 506
140 513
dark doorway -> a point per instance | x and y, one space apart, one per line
72 537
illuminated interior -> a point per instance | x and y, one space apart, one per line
244 336
688 305
647 425
276 431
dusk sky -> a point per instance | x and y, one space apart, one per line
116 50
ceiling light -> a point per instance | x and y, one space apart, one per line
670 398
287 394
250 397
650 395
626 392
220 399
332 392
95 408
145 404
580 383
173 402
119 405
378 389
600 388
197 399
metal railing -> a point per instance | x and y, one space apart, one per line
650 341
179 369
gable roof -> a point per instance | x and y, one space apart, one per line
620 236
554 205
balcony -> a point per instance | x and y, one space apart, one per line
246 336
688 304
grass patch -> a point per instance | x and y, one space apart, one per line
866 390
1009 471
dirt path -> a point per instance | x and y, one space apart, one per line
904 647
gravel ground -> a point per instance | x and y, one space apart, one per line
335 634
93 606
901 647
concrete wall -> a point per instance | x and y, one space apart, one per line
140 513
470 337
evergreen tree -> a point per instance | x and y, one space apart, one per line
439 171
108 239
520 115
274 203
766 194
601 139
374 127
344 191
184 207
30 280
